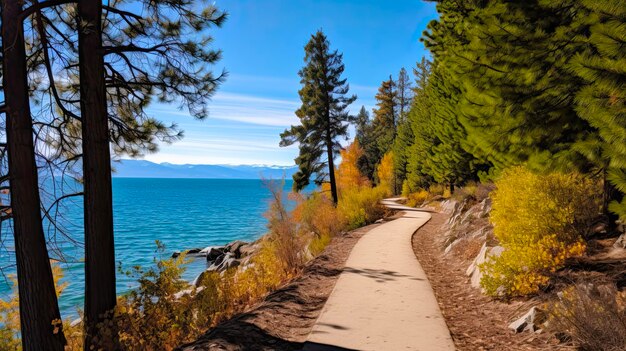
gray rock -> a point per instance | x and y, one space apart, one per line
215 253
485 208
620 243
473 271
248 250
235 247
196 282
229 262
530 322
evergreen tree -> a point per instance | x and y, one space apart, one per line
324 115
362 123
447 161
116 63
602 99
365 137
405 138
384 125
508 63
404 95
39 310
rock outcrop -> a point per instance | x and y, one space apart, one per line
231 255
620 243
529 322
474 271
469 221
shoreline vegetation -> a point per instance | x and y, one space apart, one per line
165 311
514 126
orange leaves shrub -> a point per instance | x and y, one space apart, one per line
386 174
540 221
348 173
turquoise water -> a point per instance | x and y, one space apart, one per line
180 213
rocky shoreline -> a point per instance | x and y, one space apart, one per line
220 258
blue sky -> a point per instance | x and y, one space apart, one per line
262 44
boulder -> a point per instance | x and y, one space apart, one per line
229 262
620 243
218 261
448 206
473 271
485 208
235 248
215 253
191 252
248 250
531 321
196 282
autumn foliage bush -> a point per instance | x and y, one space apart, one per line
540 221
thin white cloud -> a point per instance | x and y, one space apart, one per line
245 109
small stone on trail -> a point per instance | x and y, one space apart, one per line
529 322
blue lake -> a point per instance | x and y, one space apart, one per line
180 213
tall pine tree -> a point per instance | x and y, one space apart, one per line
365 137
324 115
404 95
39 311
602 99
508 62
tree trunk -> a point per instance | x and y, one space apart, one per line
609 194
100 297
39 310
331 169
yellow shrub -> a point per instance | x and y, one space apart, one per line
386 174
362 206
348 173
317 214
10 319
539 220
418 198
439 189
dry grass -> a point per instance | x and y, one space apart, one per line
592 316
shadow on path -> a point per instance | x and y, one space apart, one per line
313 346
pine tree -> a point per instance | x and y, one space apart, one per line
362 123
100 295
447 160
385 117
324 115
384 125
602 99
404 95
405 137
508 62
39 310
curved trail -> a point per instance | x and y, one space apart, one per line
382 299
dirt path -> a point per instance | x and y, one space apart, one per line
382 299
285 318
476 322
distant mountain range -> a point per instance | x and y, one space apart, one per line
147 169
